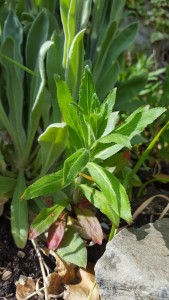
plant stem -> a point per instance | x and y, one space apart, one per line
112 232
76 190
42 269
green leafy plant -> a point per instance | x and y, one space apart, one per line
35 43
24 110
85 179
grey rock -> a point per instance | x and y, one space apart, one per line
135 264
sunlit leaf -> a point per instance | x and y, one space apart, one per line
46 218
112 189
99 200
139 120
53 142
74 164
116 138
44 186
19 214
86 100
72 248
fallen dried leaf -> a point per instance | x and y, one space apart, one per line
25 286
85 287
55 285
65 270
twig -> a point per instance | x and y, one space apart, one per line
41 262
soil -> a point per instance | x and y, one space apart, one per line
10 260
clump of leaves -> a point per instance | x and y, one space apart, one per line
85 182
37 40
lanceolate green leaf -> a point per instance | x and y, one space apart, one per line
120 43
74 68
69 112
13 30
105 152
111 123
14 91
86 100
74 164
72 248
35 109
44 186
112 189
46 218
98 200
139 120
107 80
53 142
111 29
117 10
108 104
54 66
65 99
98 15
38 28
103 178
117 139
64 10
19 214
74 15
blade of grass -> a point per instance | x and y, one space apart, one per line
29 71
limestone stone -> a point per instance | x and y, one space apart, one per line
135 264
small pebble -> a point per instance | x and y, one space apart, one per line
6 275
21 254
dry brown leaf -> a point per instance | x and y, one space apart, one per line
25 286
65 270
55 284
85 286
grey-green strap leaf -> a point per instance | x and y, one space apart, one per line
19 214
